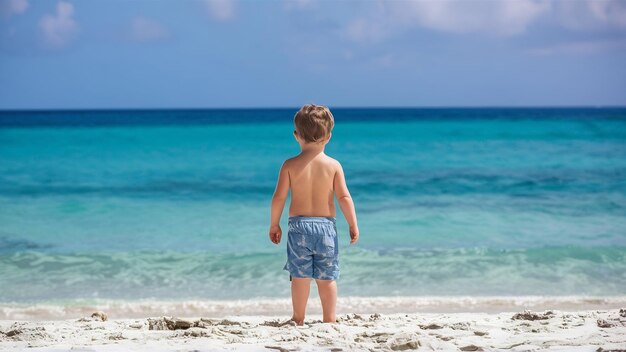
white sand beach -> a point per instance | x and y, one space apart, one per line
516 330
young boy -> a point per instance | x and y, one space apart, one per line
312 247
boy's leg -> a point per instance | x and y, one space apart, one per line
328 295
300 288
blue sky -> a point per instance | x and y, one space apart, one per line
220 53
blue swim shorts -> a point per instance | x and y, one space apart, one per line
312 248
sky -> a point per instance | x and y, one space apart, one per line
103 54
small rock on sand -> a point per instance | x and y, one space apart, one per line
20 333
195 332
431 326
460 326
176 324
471 348
528 315
605 324
157 324
401 346
228 322
117 336
351 316
13 332
278 348
135 325
277 323
102 316
165 323
375 316
403 341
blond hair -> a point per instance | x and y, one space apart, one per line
314 122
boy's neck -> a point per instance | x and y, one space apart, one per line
312 148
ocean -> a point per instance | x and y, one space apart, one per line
173 205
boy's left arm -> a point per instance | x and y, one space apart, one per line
278 203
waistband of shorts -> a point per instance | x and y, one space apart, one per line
323 219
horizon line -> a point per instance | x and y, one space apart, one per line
104 109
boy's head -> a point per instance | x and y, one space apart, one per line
314 123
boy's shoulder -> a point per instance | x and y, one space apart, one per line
326 159
332 161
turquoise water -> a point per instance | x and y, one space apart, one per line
175 204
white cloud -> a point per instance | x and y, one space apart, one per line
12 7
504 17
592 14
147 30
58 29
222 10
490 17
500 18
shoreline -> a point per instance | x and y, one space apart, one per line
263 306
585 330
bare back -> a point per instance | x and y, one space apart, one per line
311 178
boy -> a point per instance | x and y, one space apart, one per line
312 247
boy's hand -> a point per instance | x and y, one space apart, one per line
354 235
275 234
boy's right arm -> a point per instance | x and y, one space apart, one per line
345 203
278 203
